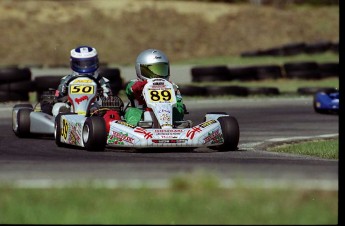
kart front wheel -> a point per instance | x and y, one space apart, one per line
21 123
231 133
94 134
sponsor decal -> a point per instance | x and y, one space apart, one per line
125 124
82 81
191 132
78 100
165 117
147 134
207 123
74 138
167 111
214 137
171 141
167 131
119 138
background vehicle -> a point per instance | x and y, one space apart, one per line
326 102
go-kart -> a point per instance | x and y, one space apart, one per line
326 102
157 129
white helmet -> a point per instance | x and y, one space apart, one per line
152 63
84 59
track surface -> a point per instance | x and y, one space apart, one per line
261 121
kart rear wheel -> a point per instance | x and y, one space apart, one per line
22 128
94 134
57 131
231 133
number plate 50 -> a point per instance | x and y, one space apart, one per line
76 89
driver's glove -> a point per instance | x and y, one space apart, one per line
137 89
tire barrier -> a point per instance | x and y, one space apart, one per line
226 90
210 73
270 91
329 69
313 90
190 90
295 48
15 83
302 70
45 82
115 80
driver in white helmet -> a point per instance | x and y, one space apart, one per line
150 63
83 61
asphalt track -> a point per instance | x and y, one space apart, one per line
40 163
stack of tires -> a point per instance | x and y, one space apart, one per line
45 82
15 84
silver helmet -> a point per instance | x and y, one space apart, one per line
152 63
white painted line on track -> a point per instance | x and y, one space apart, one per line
306 184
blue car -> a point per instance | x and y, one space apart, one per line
326 102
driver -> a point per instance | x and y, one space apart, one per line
150 63
83 61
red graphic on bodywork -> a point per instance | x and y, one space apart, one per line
192 132
147 134
78 100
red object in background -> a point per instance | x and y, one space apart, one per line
110 116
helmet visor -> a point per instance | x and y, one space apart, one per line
84 65
157 70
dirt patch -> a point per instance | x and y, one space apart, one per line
43 32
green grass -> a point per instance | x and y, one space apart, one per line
328 149
184 202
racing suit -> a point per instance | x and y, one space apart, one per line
134 93
62 88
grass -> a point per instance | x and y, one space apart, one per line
186 201
328 149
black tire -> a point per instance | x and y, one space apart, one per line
302 70
227 90
330 69
13 96
29 106
12 74
275 51
244 73
269 72
94 134
57 130
231 133
21 86
318 47
190 90
313 90
210 74
23 121
45 82
263 91
293 48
